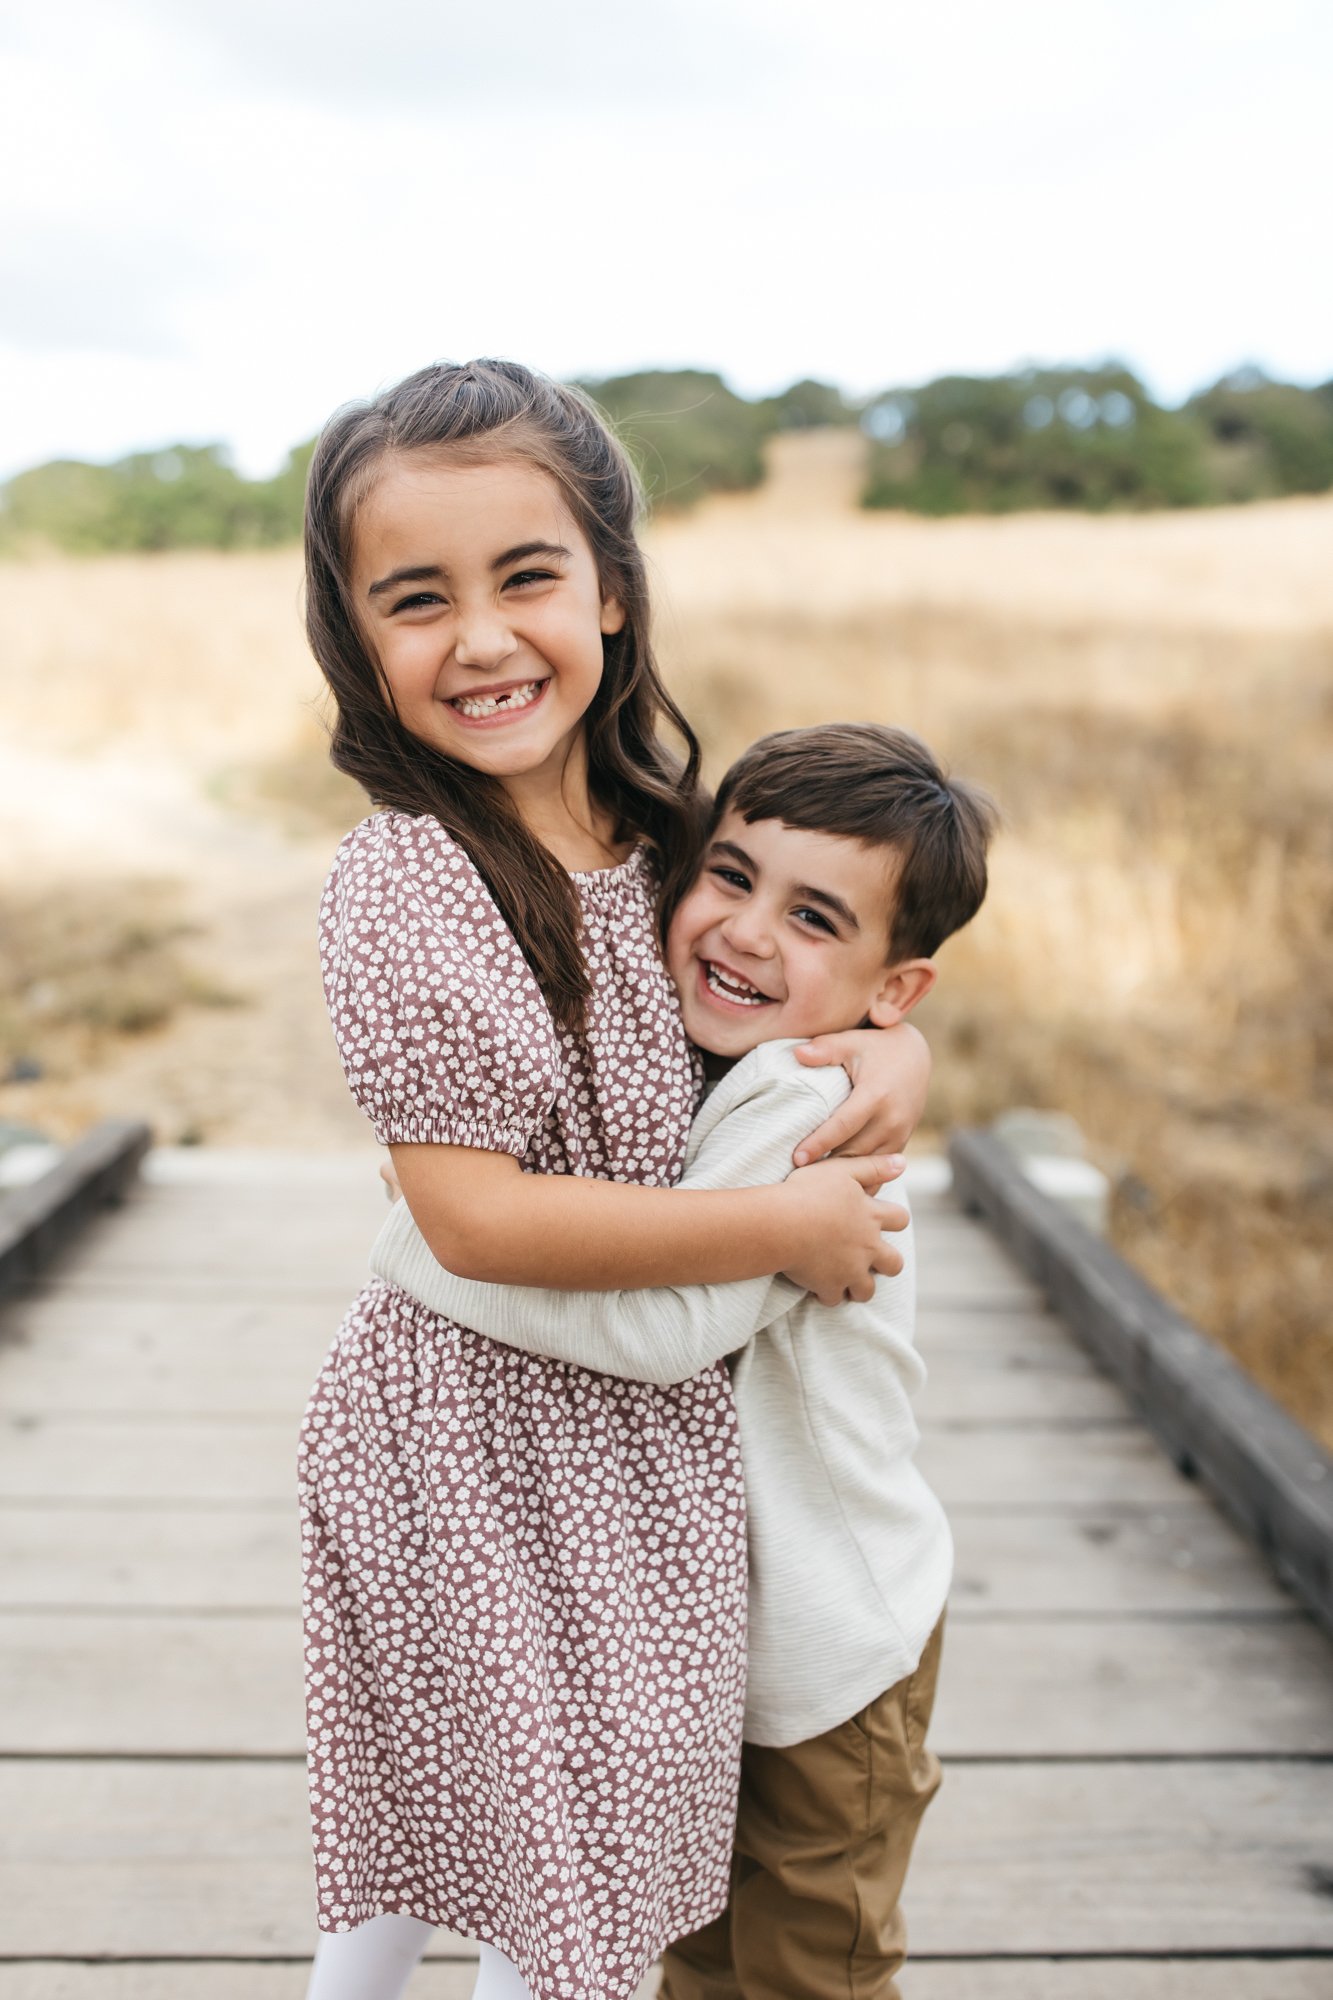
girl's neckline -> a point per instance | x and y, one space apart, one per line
594 875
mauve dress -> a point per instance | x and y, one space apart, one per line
524 1582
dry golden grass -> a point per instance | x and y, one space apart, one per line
1151 699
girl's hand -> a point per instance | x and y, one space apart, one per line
890 1073
389 1175
836 1228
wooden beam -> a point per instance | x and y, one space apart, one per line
1217 1425
37 1221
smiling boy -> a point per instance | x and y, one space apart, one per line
838 861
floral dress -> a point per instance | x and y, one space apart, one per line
524 1582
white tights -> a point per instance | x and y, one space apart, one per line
376 1960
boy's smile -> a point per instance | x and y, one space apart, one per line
785 933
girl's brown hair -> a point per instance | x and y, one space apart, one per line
475 414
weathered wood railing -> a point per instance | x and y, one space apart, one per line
36 1221
1217 1425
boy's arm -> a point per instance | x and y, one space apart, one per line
660 1335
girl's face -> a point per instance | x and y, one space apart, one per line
480 596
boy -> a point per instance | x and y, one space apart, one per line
837 862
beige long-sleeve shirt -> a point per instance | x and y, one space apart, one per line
850 1553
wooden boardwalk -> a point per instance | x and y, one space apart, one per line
1137 1722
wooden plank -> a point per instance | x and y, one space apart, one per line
1044 1859
1107 1563
79 1459
37 1222
219 1383
1184 1560
956 1333
1119 1466
989 1390
149 1558
1110 1979
967 1979
74 1684
267 1365
1060 1687
1040 1860
118 1459
1268 1473
438 1979
241 1236
62 1325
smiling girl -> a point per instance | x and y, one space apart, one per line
525 1582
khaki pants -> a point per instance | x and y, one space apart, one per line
824 1834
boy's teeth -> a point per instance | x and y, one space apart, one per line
733 989
476 706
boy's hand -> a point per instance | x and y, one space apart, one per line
890 1073
837 1226
389 1175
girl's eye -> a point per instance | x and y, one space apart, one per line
417 600
814 920
732 877
524 576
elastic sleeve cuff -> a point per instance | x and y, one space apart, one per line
428 1130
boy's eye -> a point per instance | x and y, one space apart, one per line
731 876
814 919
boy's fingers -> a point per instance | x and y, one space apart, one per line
889 1216
888 1262
876 1168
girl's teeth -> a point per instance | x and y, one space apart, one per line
733 990
477 706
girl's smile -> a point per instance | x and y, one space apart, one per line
480 596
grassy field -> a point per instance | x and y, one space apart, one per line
1151 699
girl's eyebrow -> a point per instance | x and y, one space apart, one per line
410 573
523 550
436 572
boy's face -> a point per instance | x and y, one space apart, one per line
786 933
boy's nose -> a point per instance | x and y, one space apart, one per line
747 933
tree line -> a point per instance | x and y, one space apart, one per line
1087 438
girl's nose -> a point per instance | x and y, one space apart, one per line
483 639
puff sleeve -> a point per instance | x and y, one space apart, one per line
443 1032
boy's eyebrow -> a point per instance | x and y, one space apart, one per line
807 892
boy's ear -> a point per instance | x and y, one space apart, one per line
903 985
613 616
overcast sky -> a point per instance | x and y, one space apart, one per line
220 218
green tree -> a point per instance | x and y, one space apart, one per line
687 432
1266 437
1074 437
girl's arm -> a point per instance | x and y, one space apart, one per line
889 1070
484 1218
662 1335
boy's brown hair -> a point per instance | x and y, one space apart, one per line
881 786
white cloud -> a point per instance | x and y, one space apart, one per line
225 218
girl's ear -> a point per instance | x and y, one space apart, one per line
903 985
613 616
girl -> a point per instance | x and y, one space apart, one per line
524 1583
